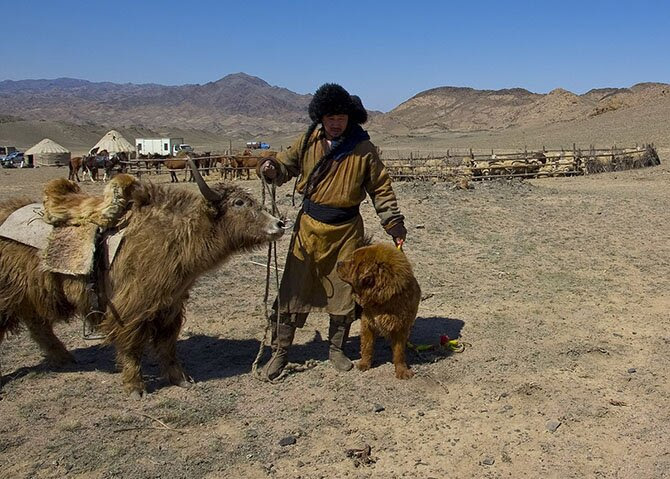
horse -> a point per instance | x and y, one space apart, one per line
152 161
244 163
204 162
89 166
201 161
75 164
174 164
248 161
92 163
115 162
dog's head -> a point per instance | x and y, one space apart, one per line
376 273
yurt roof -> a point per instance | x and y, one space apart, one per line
113 142
46 146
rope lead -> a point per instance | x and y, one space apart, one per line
272 254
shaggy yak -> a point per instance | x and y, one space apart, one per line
384 286
171 238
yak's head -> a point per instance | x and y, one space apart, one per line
238 216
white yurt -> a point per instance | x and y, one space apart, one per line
113 142
48 153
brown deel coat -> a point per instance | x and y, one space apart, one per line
315 246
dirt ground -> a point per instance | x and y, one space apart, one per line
559 286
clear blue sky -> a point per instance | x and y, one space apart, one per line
384 51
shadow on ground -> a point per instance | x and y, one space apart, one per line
208 357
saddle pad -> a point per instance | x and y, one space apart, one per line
71 250
25 226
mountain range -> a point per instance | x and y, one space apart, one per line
235 104
465 109
244 106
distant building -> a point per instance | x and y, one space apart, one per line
161 146
47 153
113 142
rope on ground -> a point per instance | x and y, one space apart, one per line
254 367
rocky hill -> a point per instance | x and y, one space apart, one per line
466 110
236 104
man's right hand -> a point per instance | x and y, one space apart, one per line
269 170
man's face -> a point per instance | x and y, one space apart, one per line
334 125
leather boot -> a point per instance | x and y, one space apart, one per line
282 338
338 332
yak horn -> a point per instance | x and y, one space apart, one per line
209 194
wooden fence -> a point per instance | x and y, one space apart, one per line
522 164
451 166
227 166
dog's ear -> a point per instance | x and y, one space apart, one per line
368 282
386 285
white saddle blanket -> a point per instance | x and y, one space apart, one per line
26 226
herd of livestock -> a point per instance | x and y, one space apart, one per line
526 164
229 166
469 166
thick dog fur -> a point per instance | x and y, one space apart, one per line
66 205
384 285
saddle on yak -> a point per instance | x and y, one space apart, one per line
76 233
81 221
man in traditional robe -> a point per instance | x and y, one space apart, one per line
336 165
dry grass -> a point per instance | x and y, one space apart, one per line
558 285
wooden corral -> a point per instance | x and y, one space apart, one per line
228 166
525 164
455 167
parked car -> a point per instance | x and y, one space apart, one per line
255 145
13 160
181 147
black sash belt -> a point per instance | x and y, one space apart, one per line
329 214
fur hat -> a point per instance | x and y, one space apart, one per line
358 113
332 99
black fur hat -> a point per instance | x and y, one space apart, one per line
358 112
332 99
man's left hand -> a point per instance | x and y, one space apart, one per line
398 232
